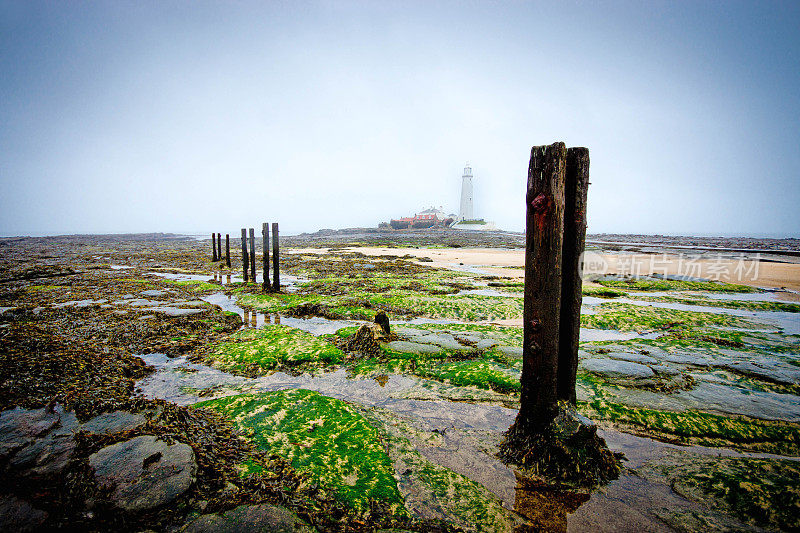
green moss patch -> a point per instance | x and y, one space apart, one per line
759 492
482 373
507 335
197 285
629 317
639 284
324 438
602 292
696 427
748 305
259 351
431 489
467 307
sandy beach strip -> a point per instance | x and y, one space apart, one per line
510 263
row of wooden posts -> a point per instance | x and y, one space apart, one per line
249 258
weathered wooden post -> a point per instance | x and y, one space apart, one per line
227 250
575 191
244 254
219 246
276 277
213 248
267 286
544 228
548 438
252 255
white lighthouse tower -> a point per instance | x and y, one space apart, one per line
466 195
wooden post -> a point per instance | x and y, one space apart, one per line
228 250
219 246
213 248
276 277
575 189
267 286
244 253
544 228
252 255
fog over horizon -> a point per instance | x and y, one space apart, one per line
138 117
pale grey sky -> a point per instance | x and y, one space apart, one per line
209 116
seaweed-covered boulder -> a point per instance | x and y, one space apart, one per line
144 473
366 340
566 452
245 518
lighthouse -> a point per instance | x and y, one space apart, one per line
466 195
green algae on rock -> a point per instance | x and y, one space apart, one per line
697 427
483 373
431 489
630 317
649 284
750 305
603 292
272 346
322 437
759 492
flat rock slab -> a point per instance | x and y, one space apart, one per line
144 472
765 371
245 518
467 337
37 443
633 357
408 332
443 340
79 303
485 344
19 427
175 311
683 358
114 422
153 293
611 368
412 347
664 370
19 516
510 351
